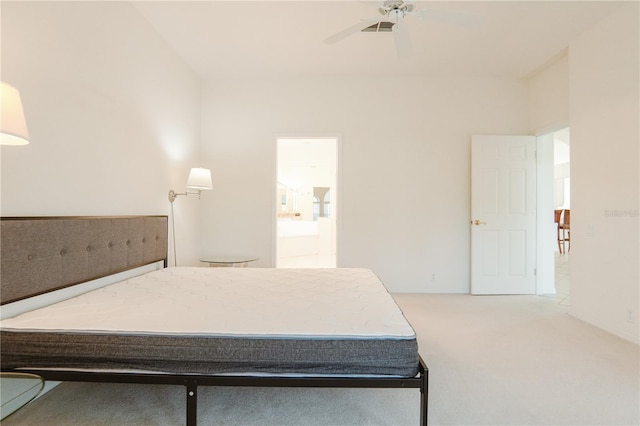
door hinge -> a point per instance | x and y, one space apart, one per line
535 271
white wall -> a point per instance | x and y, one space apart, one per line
404 166
605 125
112 112
595 91
549 97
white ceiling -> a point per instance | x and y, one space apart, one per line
285 38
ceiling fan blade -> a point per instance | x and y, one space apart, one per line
352 30
448 17
402 39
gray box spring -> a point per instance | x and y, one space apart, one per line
210 355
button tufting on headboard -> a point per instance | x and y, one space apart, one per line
41 254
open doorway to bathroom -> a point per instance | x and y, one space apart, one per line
562 203
306 202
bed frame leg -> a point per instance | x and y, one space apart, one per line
192 402
424 397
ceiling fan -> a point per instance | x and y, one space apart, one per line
393 14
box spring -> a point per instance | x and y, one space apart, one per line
210 355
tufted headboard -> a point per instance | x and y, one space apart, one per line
42 254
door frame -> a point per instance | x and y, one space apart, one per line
545 242
545 279
338 195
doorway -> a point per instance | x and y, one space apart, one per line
551 269
306 202
562 205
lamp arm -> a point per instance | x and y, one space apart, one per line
173 194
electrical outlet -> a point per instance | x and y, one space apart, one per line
433 277
631 316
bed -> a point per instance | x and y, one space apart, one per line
192 326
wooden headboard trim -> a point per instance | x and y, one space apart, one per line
43 254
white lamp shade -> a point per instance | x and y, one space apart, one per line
12 123
199 179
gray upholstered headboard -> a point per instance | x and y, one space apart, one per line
42 254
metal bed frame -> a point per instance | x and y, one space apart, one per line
192 382
138 255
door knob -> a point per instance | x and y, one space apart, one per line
478 222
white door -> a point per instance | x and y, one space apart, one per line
503 214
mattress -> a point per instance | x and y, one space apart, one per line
255 321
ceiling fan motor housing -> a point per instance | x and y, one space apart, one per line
394 8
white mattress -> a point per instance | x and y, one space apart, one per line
300 303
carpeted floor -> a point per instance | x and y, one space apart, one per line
493 360
123 404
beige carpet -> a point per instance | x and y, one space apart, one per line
494 360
